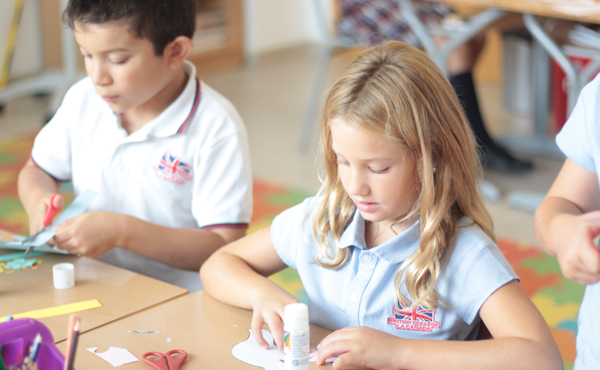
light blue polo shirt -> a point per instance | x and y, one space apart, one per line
579 140
361 293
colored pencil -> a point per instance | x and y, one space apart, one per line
73 349
71 329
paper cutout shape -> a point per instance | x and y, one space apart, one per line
20 263
79 205
251 353
115 356
12 256
58 310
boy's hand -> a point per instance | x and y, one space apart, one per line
37 215
90 234
361 346
577 254
269 310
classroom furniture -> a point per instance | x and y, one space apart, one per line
196 323
121 292
55 81
539 143
219 37
221 45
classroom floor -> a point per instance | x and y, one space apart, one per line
271 95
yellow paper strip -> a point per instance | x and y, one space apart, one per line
58 310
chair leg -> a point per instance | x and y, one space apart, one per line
314 101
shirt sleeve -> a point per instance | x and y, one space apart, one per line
475 270
577 136
289 231
223 183
52 147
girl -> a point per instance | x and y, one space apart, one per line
397 245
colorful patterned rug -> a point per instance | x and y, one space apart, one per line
556 297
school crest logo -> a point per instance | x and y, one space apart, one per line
173 169
415 319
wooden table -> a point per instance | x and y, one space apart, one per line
121 292
196 323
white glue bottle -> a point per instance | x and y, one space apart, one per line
296 336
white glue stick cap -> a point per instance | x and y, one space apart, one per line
295 317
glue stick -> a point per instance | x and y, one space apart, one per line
296 336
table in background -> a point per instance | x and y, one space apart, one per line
539 143
121 292
196 323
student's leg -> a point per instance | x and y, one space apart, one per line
460 66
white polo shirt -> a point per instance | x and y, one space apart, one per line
361 293
579 140
187 168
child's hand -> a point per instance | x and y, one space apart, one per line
37 215
269 309
90 234
361 346
577 254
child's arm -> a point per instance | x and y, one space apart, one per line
92 234
522 340
35 189
568 220
237 275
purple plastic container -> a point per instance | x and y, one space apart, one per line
17 336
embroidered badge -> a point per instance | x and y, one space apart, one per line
416 319
173 169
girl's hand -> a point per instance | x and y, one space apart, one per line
90 234
577 254
361 346
269 309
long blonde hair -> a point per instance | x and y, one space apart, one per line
397 91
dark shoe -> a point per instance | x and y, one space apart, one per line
497 158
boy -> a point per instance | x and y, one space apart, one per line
568 220
168 155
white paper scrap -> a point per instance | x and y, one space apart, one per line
116 356
253 354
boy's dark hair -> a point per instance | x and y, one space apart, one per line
160 21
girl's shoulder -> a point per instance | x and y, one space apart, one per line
474 246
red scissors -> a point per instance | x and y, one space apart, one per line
166 361
50 214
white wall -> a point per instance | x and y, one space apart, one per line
28 54
274 24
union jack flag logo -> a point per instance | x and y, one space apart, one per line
417 318
173 169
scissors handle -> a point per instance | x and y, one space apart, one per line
171 363
176 362
159 364
51 212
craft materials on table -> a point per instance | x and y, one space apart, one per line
115 356
296 336
253 354
171 360
28 344
19 264
72 338
79 205
58 310
63 275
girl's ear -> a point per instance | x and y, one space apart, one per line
177 51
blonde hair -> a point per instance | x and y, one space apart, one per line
397 91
